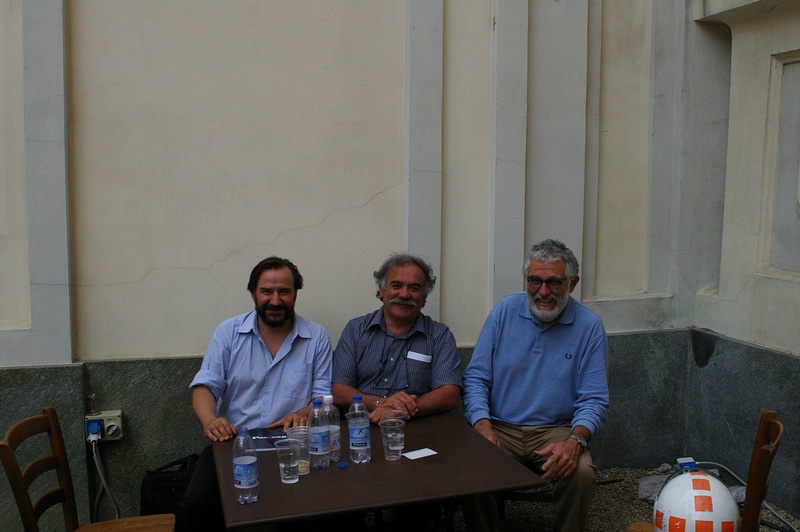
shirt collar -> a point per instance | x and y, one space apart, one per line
249 323
377 320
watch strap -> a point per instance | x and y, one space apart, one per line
578 439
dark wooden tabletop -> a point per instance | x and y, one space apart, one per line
465 464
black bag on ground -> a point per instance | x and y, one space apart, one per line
163 488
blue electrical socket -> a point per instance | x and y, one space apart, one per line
94 427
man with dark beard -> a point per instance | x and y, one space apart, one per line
396 358
261 369
537 382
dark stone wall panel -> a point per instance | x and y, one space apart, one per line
647 382
726 398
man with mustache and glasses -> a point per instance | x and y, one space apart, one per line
396 358
262 369
537 383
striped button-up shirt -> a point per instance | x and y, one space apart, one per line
374 361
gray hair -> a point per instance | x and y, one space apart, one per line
551 251
401 259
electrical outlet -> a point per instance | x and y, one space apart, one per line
106 424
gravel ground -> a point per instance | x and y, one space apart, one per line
615 506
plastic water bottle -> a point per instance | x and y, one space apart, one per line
319 437
334 423
245 468
358 429
358 405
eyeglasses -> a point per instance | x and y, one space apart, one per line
553 283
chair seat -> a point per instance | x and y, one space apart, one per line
159 522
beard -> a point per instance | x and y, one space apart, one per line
288 314
547 315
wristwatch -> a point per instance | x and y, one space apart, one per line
578 439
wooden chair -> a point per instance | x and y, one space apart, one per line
770 432
21 479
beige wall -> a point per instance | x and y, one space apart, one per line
208 135
624 147
205 135
756 300
465 166
15 301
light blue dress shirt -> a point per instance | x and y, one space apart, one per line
252 388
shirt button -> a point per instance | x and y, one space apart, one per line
391 360
385 380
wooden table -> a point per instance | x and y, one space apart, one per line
465 464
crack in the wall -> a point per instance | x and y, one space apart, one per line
231 253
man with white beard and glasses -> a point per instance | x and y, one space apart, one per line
396 358
537 384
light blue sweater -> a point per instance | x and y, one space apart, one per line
525 375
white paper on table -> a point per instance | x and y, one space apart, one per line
420 453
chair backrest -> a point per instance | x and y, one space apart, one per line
770 432
21 478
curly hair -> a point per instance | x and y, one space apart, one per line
401 259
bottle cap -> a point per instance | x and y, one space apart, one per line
343 465
317 402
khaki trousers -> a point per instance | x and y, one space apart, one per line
572 496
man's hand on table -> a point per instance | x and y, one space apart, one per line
399 401
219 429
295 419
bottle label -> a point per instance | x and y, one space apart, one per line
336 437
319 441
245 472
359 437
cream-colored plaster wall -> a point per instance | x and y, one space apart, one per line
754 302
207 135
623 148
465 166
15 300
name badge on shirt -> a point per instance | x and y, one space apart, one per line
413 355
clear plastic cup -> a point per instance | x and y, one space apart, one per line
288 451
304 457
393 436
